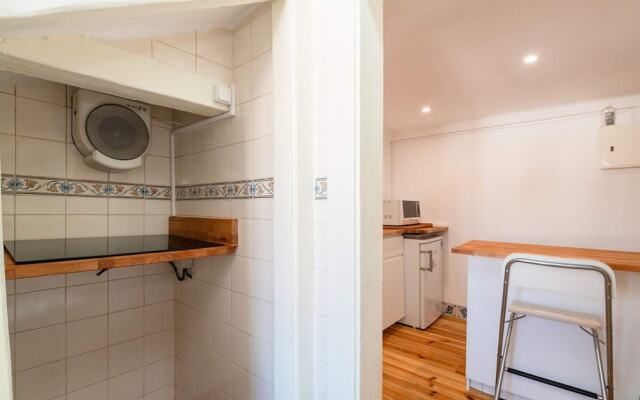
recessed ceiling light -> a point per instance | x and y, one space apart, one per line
530 59
426 109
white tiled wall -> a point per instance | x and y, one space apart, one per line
35 140
224 316
82 336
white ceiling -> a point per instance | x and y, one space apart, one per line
464 57
125 18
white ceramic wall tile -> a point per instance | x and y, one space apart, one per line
242 44
39 89
87 369
86 301
158 288
264 391
158 317
263 320
216 45
262 75
8 227
185 41
127 272
159 141
221 271
83 226
263 280
8 82
126 325
166 393
126 206
138 46
39 346
242 350
126 293
86 205
51 380
242 312
157 207
98 391
86 335
263 162
39 283
135 175
242 382
152 269
7 153
263 208
39 204
262 121
242 78
220 134
158 374
240 126
241 208
220 164
83 278
126 356
156 170
261 30
221 338
11 313
126 225
127 386
185 142
263 239
214 71
263 361
39 309
242 275
245 238
7 114
77 169
202 167
173 56
240 156
10 285
202 139
36 157
156 225
50 124
159 346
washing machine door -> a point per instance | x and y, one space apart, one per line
117 132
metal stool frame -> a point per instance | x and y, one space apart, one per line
605 386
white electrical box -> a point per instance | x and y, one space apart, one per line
619 146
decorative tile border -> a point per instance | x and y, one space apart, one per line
259 188
321 188
64 187
455 310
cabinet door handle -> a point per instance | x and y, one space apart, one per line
429 268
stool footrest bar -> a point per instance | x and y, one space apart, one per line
550 382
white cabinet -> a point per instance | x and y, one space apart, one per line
392 281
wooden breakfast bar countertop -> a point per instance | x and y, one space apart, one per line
390 231
617 260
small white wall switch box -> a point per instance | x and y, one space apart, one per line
223 94
619 146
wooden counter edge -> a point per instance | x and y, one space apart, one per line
617 260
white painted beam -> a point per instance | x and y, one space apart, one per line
96 65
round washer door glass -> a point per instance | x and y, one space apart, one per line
117 132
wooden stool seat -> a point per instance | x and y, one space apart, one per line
556 314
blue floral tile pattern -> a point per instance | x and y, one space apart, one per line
455 310
51 186
321 188
227 190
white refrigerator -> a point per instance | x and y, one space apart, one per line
423 280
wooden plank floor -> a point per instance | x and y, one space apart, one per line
427 364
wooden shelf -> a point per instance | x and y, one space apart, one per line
389 231
218 231
617 260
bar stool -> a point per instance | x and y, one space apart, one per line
588 279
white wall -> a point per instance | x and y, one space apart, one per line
535 182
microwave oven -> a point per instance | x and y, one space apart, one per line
400 212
